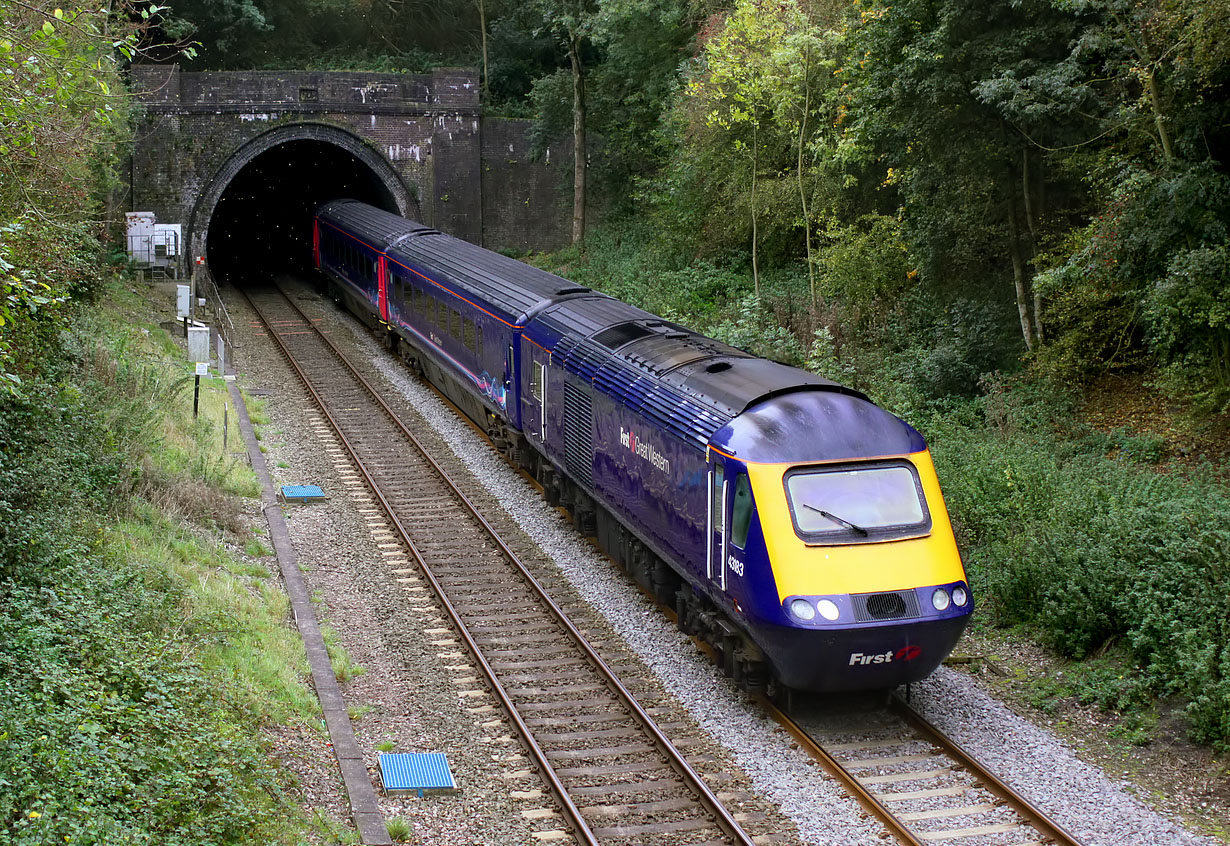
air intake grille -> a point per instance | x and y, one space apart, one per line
578 434
897 605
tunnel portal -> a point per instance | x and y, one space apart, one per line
261 225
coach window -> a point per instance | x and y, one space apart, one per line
468 334
741 512
536 381
478 331
454 323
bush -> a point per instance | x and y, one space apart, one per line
1086 542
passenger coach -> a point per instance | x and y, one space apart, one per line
793 524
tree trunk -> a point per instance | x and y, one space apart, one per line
755 165
578 139
811 270
1018 271
1031 216
482 26
1155 100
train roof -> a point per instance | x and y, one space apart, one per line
381 230
688 383
816 426
512 287
700 389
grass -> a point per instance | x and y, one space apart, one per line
255 548
343 668
140 659
237 611
399 829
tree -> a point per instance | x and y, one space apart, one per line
930 88
63 115
737 89
571 22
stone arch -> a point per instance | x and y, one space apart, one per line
203 209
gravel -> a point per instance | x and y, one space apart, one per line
1080 797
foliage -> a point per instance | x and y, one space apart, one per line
63 112
137 661
1149 275
324 34
1079 536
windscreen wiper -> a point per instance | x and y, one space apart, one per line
859 529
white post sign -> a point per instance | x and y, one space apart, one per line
198 343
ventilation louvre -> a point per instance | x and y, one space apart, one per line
578 434
893 605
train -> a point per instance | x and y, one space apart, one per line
792 524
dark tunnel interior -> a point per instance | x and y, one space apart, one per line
262 224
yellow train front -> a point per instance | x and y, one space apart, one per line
835 548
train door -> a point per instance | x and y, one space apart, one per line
382 279
512 408
534 391
715 554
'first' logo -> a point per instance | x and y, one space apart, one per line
905 653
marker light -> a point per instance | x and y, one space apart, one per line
959 596
828 609
803 609
940 599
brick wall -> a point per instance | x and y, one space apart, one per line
422 134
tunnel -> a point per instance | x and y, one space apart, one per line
261 224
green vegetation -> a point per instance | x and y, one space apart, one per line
399 829
974 213
343 668
138 659
140 662
1099 544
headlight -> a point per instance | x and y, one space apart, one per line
828 609
803 609
940 599
959 596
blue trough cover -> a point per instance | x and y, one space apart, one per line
402 773
302 493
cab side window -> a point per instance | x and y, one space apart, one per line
719 514
741 512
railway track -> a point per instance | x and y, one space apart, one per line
613 773
922 785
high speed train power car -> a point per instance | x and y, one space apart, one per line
792 523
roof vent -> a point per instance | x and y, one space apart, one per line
718 367
575 289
